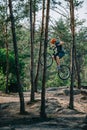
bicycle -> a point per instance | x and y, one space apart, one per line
63 72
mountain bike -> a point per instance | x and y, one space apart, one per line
63 72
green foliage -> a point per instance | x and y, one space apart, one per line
54 80
78 4
11 60
12 69
60 28
2 80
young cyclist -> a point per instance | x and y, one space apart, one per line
59 50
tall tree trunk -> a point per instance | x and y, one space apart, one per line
22 105
4 25
42 31
34 18
78 71
42 112
32 54
7 57
71 103
7 62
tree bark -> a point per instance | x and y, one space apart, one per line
32 98
22 105
7 56
71 103
42 112
34 19
7 62
41 37
78 71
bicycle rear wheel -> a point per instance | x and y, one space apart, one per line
49 60
64 72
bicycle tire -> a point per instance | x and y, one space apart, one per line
49 60
64 72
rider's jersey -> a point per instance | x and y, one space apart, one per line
59 48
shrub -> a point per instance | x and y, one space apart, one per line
12 70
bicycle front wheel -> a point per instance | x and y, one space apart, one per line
64 72
49 60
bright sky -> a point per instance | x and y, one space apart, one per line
82 12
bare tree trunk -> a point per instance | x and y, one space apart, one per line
22 105
42 31
34 19
42 112
32 54
7 60
4 25
71 103
7 63
78 71
7 57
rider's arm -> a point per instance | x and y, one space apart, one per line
61 43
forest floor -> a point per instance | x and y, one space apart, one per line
59 116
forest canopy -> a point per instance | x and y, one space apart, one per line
59 27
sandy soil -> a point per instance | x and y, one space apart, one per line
60 117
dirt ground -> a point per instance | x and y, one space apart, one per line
59 116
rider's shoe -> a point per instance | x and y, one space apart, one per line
58 68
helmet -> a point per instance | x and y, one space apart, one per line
53 40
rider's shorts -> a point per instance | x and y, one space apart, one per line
59 54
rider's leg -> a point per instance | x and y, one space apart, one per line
58 57
58 62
